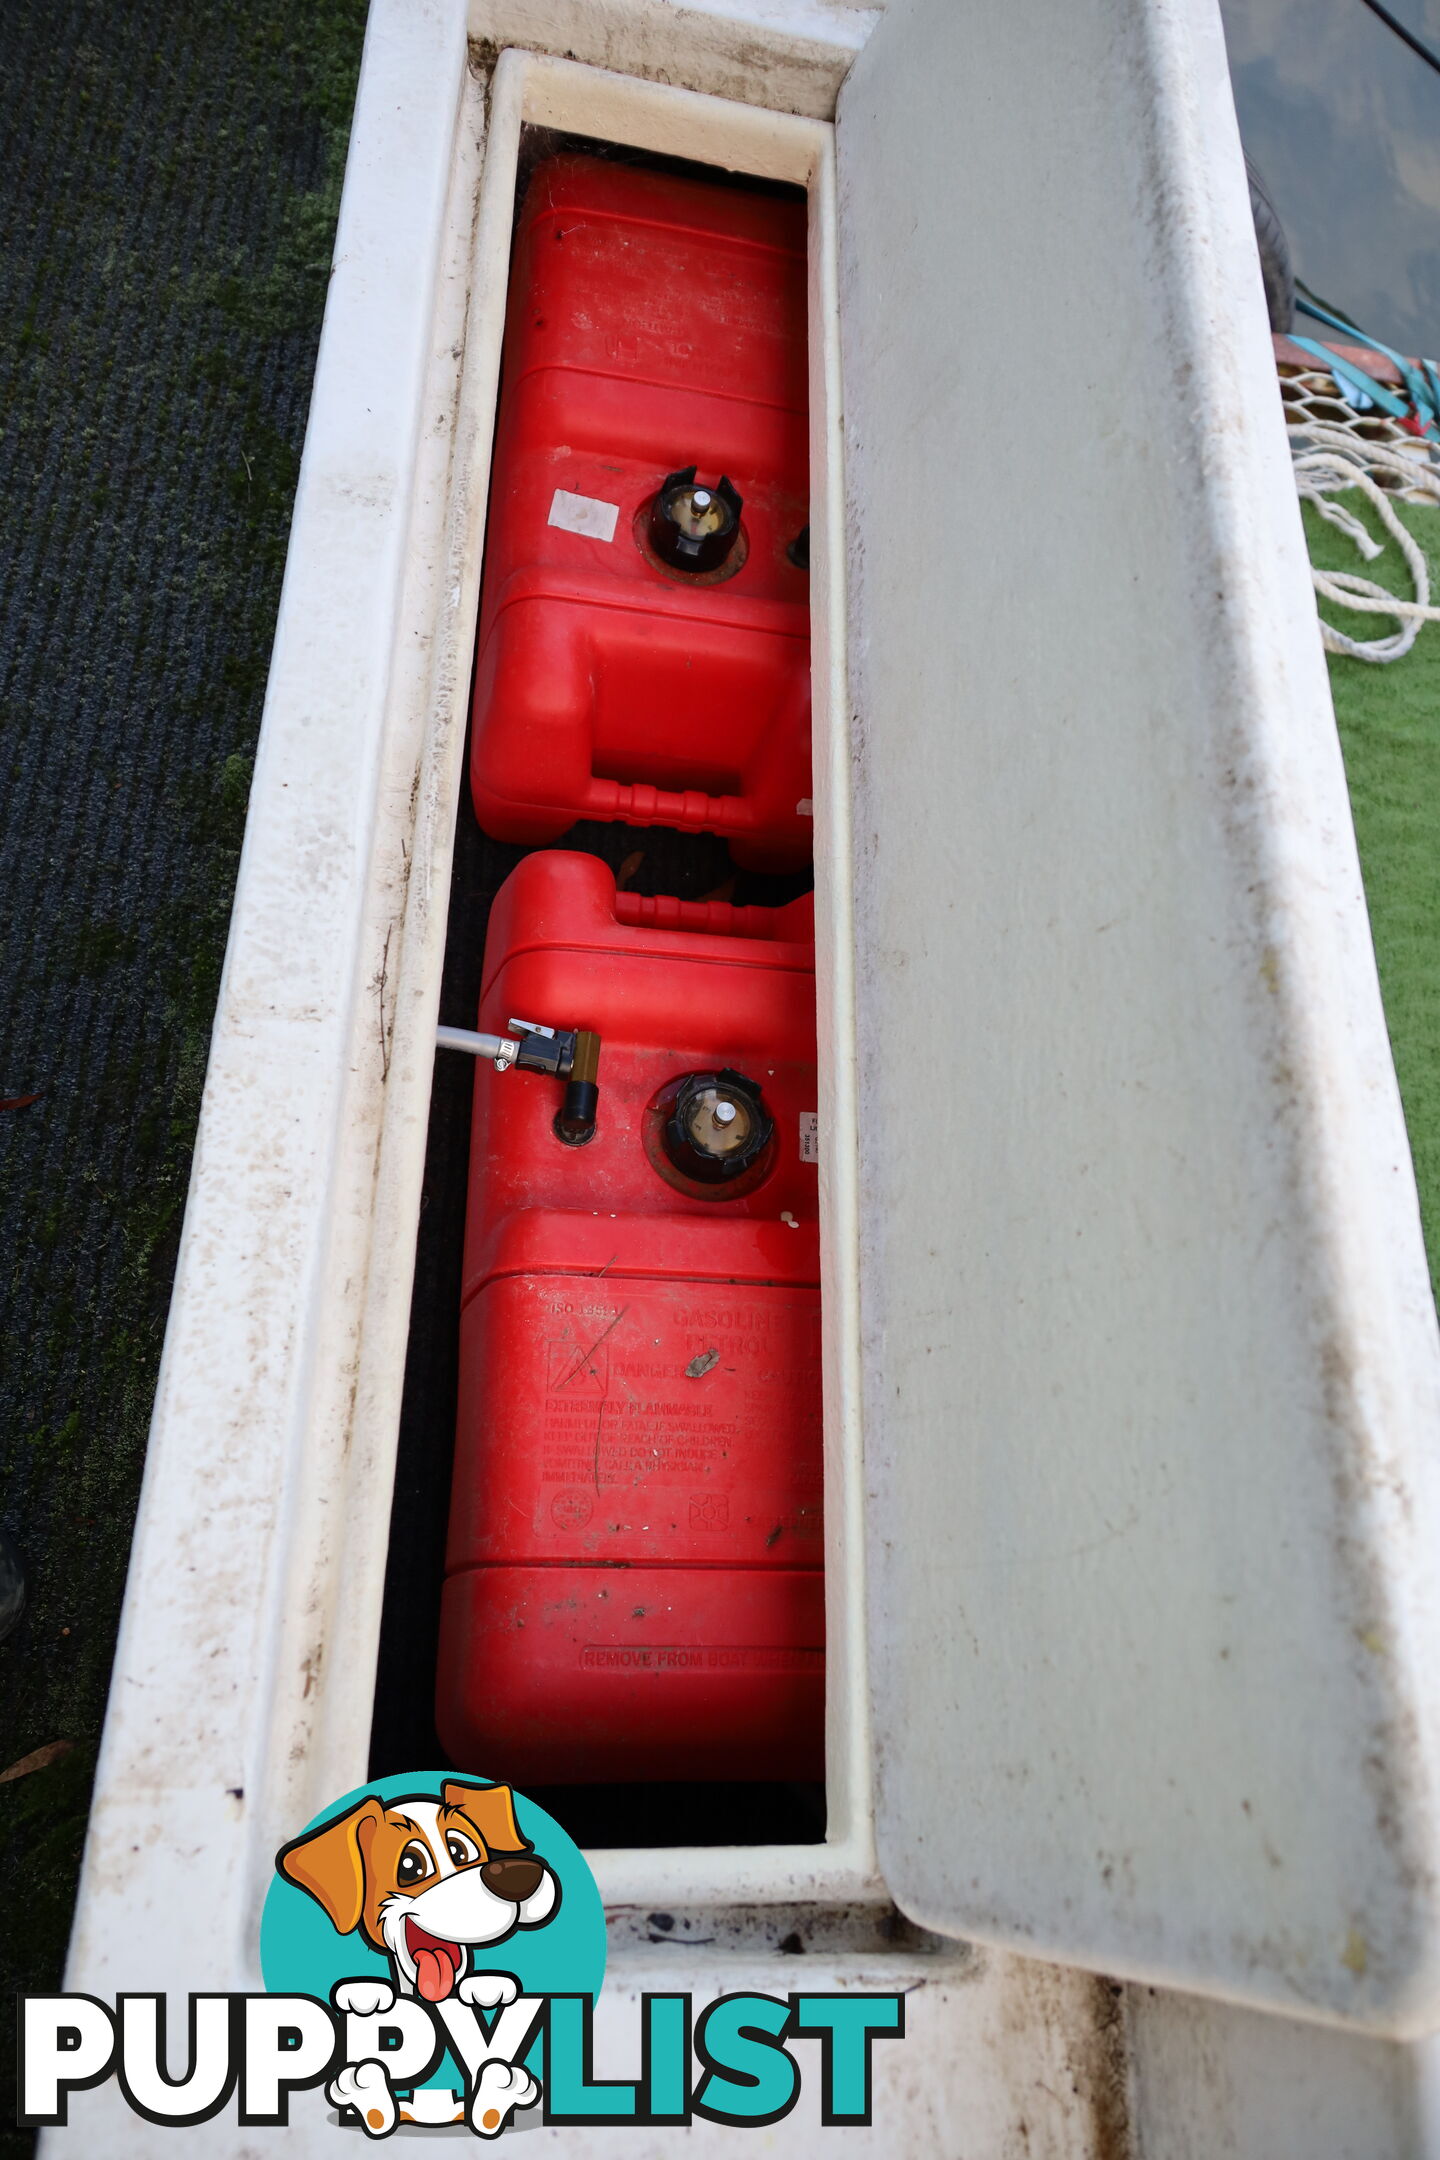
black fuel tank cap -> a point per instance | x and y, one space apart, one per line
694 528
718 1126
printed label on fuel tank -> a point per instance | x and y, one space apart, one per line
576 1371
695 1657
583 514
678 1421
810 1136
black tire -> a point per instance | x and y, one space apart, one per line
1275 265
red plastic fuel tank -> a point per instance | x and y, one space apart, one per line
654 325
634 1576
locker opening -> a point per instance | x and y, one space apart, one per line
759 860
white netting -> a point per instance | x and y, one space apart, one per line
1312 398
1336 448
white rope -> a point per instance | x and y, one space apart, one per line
1329 460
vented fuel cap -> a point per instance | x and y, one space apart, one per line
694 528
718 1126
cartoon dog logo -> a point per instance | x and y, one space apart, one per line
426 1882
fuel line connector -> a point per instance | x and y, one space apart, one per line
568 1054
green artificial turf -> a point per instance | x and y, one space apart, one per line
1389 721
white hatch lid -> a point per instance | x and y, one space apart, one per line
1151 1360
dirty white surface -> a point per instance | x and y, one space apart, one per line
1002 2060
1151 1358
1210 2079
789 56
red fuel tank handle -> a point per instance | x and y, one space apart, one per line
568 1054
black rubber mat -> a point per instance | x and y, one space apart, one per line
171 180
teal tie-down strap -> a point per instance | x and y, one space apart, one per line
1354 376
1344 371
1424 388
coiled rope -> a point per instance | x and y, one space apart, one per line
1328 462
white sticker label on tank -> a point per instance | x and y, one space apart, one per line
805 807
583 514
810 1136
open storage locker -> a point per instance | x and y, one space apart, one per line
726 236
575 101
1132 1639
